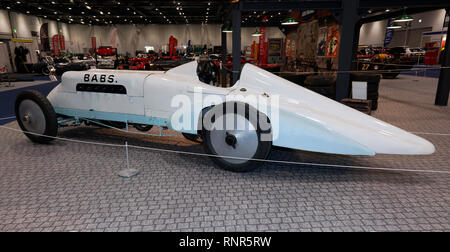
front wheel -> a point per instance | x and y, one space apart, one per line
238 148
36 116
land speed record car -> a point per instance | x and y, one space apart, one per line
237 133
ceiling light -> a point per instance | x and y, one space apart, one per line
404 18
256 33
394 26
227 30
289 21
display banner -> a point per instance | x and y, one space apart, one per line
94 42
45 42
62 43
333 41
55 41
389 34
173 43
253 53
59 44
262 49
322 42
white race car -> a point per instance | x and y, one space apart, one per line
238 132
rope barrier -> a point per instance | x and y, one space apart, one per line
170 135
361 71
7 118
229 157
414 68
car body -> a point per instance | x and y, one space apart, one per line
87 61
304 121
415 55
106 57
387 62
60 65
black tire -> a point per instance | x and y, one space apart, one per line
142 127
372 88
325 91
369 77
31 104
45 71
374 105
319 81
191 137
261 149
390 75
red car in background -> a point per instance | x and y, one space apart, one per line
229 63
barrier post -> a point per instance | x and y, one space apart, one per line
128 172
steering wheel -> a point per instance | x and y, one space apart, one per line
207 72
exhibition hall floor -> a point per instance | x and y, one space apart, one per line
72 186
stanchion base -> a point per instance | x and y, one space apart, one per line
128 173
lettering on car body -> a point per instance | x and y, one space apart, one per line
99 78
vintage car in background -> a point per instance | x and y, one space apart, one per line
415 55
106 57
59 65
87 61
300 119
387 62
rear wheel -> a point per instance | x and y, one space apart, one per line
235 147
143 127
36 116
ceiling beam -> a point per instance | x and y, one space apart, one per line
278 6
